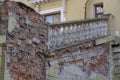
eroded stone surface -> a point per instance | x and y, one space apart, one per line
86 63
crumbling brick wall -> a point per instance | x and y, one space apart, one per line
83 62
3 18
26 41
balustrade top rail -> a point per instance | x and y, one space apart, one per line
79 21
61 35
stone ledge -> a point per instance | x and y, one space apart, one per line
104 40
2 39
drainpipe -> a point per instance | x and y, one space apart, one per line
63 13
85 15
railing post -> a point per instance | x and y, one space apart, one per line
111 26
111 31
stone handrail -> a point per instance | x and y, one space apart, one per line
40 1
61 35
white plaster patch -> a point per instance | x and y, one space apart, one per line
12 23
2 39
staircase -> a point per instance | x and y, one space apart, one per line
116 59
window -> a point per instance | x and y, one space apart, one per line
99 10
52 18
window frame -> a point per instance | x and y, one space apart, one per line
50 14
95 9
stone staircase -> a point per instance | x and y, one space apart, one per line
116 59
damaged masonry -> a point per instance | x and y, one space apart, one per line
35 50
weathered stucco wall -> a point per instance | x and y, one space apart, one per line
83 62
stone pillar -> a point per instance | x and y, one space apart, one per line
63 10
3 30
1 64
6 71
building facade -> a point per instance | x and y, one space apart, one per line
67 10
57 11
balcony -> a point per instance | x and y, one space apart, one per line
62 35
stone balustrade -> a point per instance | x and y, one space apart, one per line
61 35
39 1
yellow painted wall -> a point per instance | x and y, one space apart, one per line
50 5
109 7
75 9
25 2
